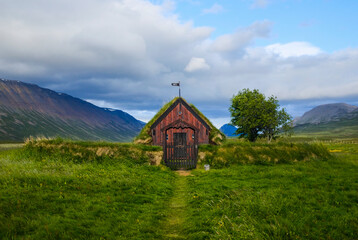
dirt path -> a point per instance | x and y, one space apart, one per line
176 216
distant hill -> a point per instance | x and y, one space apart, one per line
325 113
329 120
228 130
29 110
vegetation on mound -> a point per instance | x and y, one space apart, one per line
144 137
232 153
82 152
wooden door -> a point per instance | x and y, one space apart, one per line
179 142
182 151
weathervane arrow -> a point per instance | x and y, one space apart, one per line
177 85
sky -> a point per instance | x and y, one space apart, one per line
124 54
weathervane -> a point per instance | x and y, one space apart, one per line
177 85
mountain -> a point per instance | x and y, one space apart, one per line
338 120
325 113
228 130
29 110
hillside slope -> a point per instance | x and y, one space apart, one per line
29 110
330 120
325 113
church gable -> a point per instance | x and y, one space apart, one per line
184 111
180 118
179 114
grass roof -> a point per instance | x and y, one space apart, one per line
215 137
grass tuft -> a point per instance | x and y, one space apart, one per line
234 153
85 152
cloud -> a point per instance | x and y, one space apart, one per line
260 3
94 37
216 8
126 53
196 64
242 37
293 49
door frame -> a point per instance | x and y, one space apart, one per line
180 124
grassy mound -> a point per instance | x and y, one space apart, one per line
216 136
82 152
260 153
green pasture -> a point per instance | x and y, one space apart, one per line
307 200
334 130
87 190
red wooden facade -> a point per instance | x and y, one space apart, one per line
180 120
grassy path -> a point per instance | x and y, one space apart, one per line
176 216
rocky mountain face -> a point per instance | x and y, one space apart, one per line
29 110
327 113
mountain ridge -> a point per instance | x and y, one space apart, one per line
339 120
229 130
74 117
325 113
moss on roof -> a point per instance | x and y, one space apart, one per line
144 137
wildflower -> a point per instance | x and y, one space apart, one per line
335 150
195 195
221 223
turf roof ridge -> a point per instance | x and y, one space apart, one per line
144 135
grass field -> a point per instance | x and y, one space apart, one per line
47 191
343 129
52 198
311 200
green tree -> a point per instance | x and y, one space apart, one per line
255 116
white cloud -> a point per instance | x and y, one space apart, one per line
126 53
219 122
242 37
94 37
216 8
196 64
142 115
293 49
101 103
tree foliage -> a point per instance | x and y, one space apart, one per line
255 116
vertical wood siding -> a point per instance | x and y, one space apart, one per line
186 116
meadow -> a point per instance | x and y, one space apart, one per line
56 189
